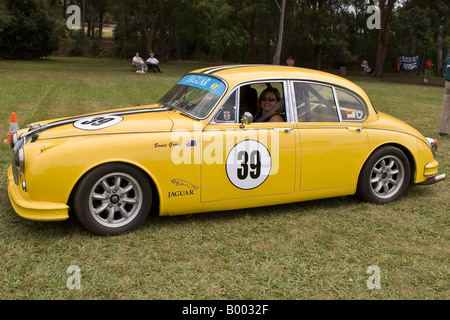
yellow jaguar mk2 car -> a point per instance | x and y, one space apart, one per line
222 138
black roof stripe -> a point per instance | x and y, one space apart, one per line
220 68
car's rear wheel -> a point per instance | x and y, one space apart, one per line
113 199
385 176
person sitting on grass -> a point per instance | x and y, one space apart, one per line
139 63
153 63
366 69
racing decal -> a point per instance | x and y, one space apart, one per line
180 182
181 193
355 115
166 145
204 82
191 143
248 164
97 122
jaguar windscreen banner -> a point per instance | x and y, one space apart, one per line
207 83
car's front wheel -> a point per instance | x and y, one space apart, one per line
385 176
112 199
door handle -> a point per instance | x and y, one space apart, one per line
287 130
357 129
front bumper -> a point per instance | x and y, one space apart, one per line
34 210
430 171
433 180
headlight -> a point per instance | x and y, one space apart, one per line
21 164
14 140
433 144
18 161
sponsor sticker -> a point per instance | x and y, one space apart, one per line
97 122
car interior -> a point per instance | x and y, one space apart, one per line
314 103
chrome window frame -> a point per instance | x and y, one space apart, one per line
286 94
366 112
294 101
336 100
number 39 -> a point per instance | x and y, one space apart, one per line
97 121
253 168
248 164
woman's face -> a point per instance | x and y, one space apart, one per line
268 101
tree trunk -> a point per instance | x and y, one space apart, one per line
163 35
251 48
386 8
149 34
173 29
276 57
83 15
64 8
100 24
439 61
148 41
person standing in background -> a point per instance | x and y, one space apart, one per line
428 66
445 115
290 62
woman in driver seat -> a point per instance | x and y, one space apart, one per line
267 110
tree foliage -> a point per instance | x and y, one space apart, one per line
317 33
27 31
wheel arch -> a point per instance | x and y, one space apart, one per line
405 150
155 190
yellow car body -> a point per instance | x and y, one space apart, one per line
200 158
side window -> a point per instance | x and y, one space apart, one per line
227 112
315 103
265 101
350 106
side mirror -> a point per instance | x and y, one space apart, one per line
247 119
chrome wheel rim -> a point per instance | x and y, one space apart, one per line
387 177
115 199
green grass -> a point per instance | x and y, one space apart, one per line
311 250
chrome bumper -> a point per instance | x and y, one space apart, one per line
433 180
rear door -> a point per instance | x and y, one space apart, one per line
333 141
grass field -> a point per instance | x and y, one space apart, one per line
312 250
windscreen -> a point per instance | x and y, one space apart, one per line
195 95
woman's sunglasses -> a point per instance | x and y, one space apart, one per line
270 99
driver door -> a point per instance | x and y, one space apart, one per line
240 162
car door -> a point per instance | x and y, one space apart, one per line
253 160
333 141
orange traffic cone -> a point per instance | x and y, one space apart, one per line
13 127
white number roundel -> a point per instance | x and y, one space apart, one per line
248 164
97 122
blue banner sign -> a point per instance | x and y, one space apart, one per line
204 82
408 63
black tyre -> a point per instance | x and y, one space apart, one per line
113 199
385 176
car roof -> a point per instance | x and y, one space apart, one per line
235 74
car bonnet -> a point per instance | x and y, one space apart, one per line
144 119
